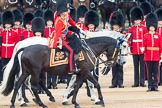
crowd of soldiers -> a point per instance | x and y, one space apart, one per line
144 41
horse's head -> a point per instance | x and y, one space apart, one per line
123 51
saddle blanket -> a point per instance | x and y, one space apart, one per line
59 57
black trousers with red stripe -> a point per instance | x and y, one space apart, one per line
139 75
152 67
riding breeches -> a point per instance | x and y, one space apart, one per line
71 56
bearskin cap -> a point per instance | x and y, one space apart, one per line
48 15
151 20
61 6
117 18
146 7
38 25
27 18
136 13
92 17
8 18
18 15
81 11
159 13
38 13
73 13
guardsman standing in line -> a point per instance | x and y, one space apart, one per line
92 22
27 23
50 30
117 24
159 31
38 26
9 37
18 23
137 32
81 11
147 8
1 75
152 51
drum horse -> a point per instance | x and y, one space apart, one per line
31 64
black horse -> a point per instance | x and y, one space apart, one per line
106 8
36 58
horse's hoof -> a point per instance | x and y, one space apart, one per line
12 106
100 103
35 100
23 105
52 99
65 103
77 106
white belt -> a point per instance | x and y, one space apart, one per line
138 40
8 44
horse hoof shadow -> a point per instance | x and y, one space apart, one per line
23 105
52 99
100 103
12 106
77 106
65 103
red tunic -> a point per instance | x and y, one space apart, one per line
159 31
70 20
19 32
9 39
137 38
48 31
153 47
143 23
82 26
27 34
60 27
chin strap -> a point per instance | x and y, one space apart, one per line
29 1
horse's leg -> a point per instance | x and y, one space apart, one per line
21 97
68 90
93 80
91 90
34 87
78 84
23 94
51 98
17 86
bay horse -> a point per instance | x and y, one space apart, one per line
34 66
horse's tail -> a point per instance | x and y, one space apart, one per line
10 71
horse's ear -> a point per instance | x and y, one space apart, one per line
74 29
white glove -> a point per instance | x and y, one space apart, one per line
82 32
142 49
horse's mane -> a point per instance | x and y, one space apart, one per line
103 40
106 33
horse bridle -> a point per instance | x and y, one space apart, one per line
29 1
12 2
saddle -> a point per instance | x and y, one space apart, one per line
60 57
